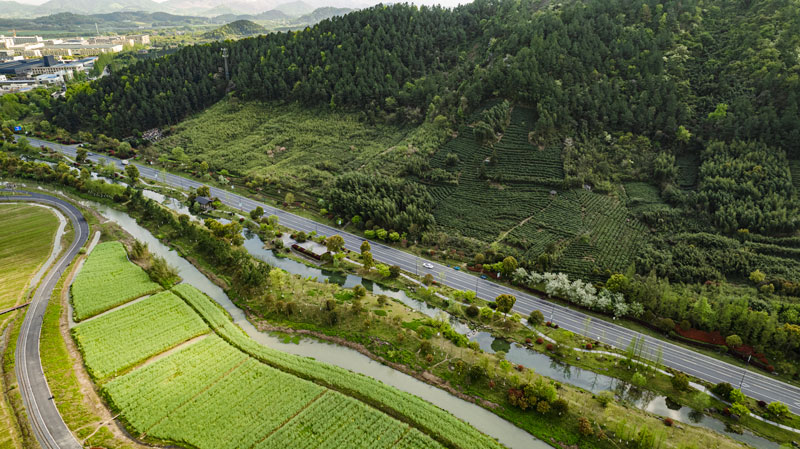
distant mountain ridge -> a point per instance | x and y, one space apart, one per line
237 29
258 9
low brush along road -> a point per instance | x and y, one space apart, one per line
48 427
753 384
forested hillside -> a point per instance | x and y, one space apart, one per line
588 137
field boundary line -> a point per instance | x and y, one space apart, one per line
154 358
206 388
272 432
408 429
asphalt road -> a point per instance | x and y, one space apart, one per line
753 384
48 427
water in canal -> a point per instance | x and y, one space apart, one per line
510 435
482 419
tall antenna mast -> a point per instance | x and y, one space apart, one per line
225 57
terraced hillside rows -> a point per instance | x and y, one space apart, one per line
224 390
107 280
794 168
512 193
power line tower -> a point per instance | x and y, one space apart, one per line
225 57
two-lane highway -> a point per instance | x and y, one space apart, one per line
753 384
48 427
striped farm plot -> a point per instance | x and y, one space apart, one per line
107 280
123 338
226 391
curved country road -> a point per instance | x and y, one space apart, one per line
48 427
754 384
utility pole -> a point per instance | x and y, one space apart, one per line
745 371
225 57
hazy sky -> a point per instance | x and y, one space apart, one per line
447 3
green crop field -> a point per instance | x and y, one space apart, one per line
301 148
107 280
421 414
26 238
210 394
122 338
336 421
517 199
226 391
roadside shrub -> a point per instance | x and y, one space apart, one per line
722 390
527 341
539 340
549 346
686 325
740 409
668 422
560 407
543 407
736 396
585 427
666 324
680 382
589 346
778 409
473 311
536 318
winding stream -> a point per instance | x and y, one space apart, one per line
482 419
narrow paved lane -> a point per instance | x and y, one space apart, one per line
756 385
48 427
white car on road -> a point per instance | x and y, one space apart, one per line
428 265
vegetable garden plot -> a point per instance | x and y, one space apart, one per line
146 395
337 421
123 338
106 280
422 414
238 410
414 439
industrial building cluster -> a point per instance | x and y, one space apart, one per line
36 46
27 62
